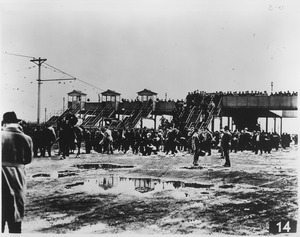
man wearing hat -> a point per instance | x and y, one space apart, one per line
225 144
196 146
17 151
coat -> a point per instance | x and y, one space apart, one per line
226 140
17 150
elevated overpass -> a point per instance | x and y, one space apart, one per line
245 110
260 102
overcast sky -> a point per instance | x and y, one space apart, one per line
167 46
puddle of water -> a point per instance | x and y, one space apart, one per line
40 175
56 174
226 186
65 173
74 184
118 184
102 166
192 167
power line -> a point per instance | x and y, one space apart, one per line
74 77
39 61
90 84
19 55
60 70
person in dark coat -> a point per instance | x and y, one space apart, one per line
37 138
48 138
226 143
172 139
88 141
197 146
17 151
258 142
206 140
67 138
275 140
137 142
148 145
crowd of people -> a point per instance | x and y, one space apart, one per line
167 139
201 97
256 93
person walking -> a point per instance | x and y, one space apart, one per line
48 138
196 147
17 151
107 141
226 143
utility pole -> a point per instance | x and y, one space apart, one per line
39 62
64 104
271 87
45 115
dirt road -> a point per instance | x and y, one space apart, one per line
160 194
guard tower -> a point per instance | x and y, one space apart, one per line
145 95
76 99
111 98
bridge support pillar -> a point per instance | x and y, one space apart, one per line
280 126
221 124
228 122
267 119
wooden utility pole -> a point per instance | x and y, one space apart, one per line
272 87
39 62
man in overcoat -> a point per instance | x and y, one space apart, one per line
226 143
17 151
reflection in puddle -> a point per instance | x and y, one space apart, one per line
123 184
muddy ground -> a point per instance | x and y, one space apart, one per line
158 194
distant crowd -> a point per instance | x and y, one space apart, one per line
166 139
197 95
256 93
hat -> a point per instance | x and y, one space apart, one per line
10 117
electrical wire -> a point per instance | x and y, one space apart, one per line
90 84
74 77
59 70
20 55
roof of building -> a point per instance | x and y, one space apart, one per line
146 92
76 92
110 93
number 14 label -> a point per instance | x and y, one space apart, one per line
286 226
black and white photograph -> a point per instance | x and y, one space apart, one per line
160 117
